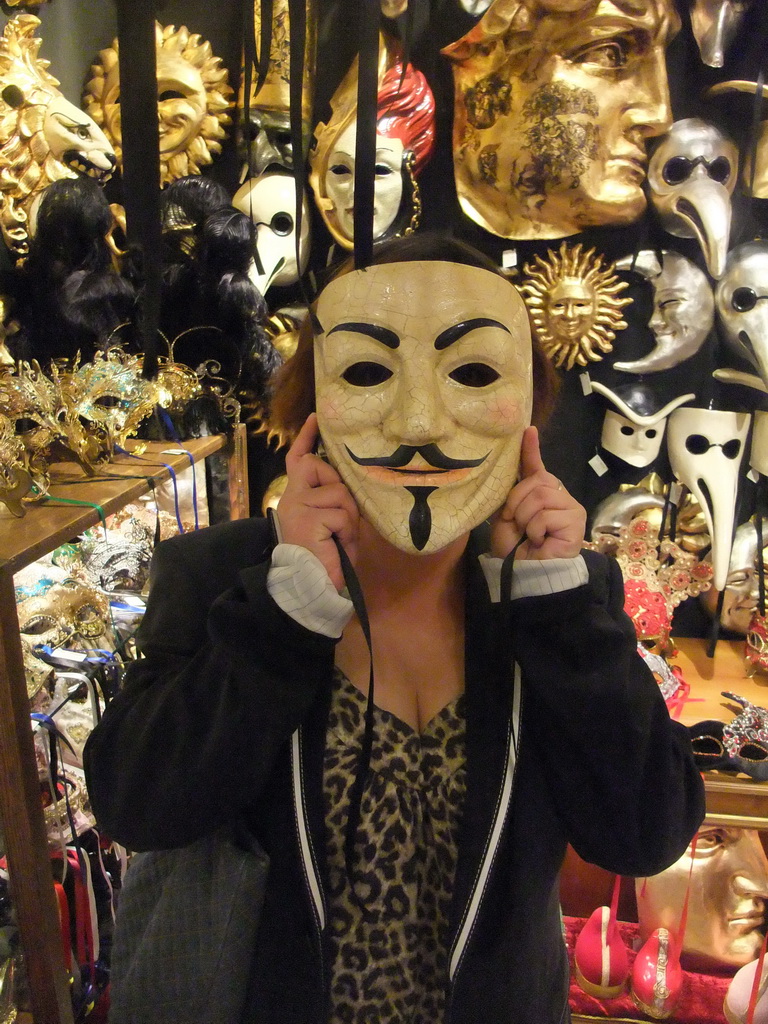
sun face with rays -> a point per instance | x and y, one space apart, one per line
574 304
194 98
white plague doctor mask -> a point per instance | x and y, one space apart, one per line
706 449
423 378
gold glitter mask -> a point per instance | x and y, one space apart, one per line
43 137
70 613
193 101
47 420
423 387
555 100
111 394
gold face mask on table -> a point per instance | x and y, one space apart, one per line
424 385
47 422
111 394
194 97
69 613
43 137
726 909
555 100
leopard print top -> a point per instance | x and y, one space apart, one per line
390 967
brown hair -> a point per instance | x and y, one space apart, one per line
293 390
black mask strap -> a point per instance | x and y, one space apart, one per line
141 159
364 760
365 143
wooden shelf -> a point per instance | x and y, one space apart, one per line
24 540
732 800
47 525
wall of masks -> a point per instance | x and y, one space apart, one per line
610 156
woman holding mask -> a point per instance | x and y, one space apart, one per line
417 882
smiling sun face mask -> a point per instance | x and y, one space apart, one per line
424 388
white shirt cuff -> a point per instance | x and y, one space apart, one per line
535 578
298 583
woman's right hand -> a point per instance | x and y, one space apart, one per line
316 505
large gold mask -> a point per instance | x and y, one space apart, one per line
728 873
43 137
555 100
193 99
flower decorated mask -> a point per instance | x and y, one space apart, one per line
424 387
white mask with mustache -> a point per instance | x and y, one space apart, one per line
424 388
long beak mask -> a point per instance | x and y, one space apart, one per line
741 301
706 449
691 177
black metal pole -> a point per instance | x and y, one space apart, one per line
141 158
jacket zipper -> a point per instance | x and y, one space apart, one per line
312 878
498 825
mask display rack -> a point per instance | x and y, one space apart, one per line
736 805
732 800
22 541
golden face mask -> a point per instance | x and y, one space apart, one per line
70 613
728 893
43 136
574 303
47 421
193 99
555 100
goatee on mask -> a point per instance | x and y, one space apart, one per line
423 387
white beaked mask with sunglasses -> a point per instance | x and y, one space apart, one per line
691 177
423 378
741 301
706 448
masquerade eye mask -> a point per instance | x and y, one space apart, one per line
424 386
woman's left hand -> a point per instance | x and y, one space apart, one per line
539 507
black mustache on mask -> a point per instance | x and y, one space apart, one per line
403 455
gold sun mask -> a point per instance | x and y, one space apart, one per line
194 98
575 305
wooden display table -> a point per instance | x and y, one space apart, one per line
733 800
